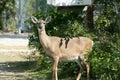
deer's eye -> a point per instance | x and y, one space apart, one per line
43 22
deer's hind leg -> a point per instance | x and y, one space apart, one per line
81 65
88 69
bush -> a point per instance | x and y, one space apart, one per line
105 57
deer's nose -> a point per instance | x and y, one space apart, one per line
40 27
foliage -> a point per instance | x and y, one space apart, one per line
7 5
8 8
12 25
105 57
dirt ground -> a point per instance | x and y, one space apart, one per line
14 52
13 47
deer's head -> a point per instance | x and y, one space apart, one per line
41 23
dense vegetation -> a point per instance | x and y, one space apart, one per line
105 57
7 10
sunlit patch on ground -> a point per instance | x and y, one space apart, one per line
15 58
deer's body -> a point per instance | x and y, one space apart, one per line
61 47
66 49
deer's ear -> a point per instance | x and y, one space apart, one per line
48 19
34 19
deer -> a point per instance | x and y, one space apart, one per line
62 49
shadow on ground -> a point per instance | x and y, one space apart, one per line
18 71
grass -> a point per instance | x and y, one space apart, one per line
30 72
46 74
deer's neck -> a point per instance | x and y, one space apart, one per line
44 39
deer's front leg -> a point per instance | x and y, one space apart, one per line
54 68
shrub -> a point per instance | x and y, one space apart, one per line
105 57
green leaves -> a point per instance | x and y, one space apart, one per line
7 8
105 57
